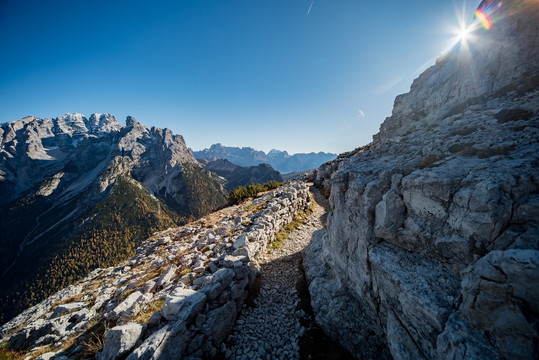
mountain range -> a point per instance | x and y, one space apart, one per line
77 193
279 160
234 175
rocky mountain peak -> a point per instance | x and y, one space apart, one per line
279 160
499 60
103 122
130 121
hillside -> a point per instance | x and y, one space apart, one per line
431 248
279 160
78 193
179 296
235 175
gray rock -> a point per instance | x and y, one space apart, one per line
241 241
129 307
155 319
459 340
389 215
219 323
422 293
168 343
501 297
167 277
401 345
62 309
46 356
444 200
183 304
120 340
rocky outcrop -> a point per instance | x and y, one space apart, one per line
279 160
178 297
431 247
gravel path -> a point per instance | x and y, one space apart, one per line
272 327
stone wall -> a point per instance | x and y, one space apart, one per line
201 273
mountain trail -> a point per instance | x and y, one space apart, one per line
272 327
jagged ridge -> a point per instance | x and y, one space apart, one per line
279 160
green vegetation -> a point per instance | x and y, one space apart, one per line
11 355
202 194
6 354
241 192
118 225
286 230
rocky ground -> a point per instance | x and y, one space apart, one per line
178 297
276 324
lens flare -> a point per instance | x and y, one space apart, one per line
463 34
483 19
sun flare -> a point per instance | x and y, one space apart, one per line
464 33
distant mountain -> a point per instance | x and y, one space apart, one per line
235 175
279 160
77 193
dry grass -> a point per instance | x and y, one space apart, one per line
11 355
69 300
95 339
6 354
125 294
148 311
93 285
149 276
289 228
185 272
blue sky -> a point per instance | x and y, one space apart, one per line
265 74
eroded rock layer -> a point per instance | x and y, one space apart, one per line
431 249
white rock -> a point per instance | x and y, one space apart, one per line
183 304
120 340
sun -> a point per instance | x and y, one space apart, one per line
464 33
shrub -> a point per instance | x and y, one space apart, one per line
241 192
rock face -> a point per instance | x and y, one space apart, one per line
279 160
431 249
235 175
204 276
70 181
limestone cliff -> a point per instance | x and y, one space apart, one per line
431 249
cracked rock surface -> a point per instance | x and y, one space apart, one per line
432 236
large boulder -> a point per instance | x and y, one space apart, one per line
183 304
120 340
